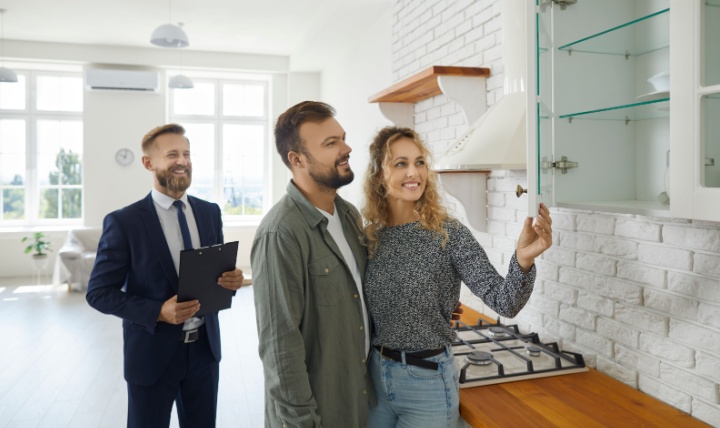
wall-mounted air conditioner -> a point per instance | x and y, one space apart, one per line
98 79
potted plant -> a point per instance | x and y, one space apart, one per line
39 245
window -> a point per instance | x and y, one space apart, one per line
41 146
226 121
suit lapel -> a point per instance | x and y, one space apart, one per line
157 240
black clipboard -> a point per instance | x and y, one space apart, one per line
199 270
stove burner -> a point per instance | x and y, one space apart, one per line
487 354
534 351
497 331
479 358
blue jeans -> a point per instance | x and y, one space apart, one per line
414 397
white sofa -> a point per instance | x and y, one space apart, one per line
76 258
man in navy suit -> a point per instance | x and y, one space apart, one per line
170 355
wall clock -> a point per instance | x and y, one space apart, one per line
124 157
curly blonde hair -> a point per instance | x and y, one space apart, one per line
431 214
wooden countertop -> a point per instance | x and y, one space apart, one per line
589 399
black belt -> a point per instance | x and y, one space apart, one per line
412 358
190 336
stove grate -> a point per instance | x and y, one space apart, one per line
506 348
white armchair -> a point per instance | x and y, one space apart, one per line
76 258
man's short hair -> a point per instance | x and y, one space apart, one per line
287 127
150 137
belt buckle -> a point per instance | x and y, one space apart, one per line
191 336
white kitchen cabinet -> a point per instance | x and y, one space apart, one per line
600 135
695 131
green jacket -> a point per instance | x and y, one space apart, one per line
310 317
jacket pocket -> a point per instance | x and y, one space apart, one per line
326 277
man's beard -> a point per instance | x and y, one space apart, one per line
172 182
330 179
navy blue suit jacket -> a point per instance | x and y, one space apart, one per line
134 274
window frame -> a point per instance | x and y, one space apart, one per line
31 115
218 119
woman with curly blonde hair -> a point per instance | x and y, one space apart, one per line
429 211
418 257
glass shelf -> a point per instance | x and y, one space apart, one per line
636 37
636 111
646 208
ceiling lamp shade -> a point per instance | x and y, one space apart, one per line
169 36
180 81
7 75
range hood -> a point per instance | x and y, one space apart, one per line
497 139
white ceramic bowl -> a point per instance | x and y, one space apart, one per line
660 81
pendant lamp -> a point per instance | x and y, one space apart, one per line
6 75
169 35
180 81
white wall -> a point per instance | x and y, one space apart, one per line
639 297
14 262
350 77
114 120
280 96
303 86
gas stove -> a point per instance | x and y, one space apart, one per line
488 353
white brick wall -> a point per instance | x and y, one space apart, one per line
638 296
665 392
695 336
618 371
642 318
701 288
636 229
640 362
640 273
665 256
667 350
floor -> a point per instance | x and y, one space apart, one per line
61 361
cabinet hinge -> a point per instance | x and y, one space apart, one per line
562 3
563 165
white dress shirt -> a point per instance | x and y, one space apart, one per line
167 213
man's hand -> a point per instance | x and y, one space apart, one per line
174 312
231 280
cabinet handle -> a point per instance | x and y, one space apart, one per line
519 191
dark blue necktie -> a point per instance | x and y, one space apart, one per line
187 242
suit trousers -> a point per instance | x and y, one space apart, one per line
190 380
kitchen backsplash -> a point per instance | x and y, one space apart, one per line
638 296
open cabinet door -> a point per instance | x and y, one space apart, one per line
539 106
